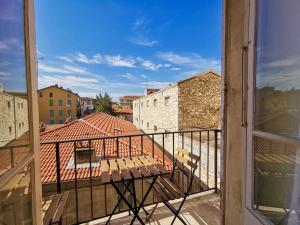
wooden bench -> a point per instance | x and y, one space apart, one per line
53 207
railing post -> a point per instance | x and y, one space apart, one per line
58 179
91 181
142 144
163 136
153 145
130 147
216 161
117 143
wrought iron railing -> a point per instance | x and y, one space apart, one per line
89 200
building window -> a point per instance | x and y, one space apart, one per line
22 124
148 103
18 105
155 128
50 94
8 104
69 102
167 100
69 112
19 125
60 112
69 96
85 154
155 102
9 129
147 124
142 122
60 102
51 102
41 94
142 104
51 112
22 105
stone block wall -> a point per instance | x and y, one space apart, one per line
13 117
199 99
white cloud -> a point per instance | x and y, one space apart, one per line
65 58
144 41
4 74
175 68
68 81
10 43
192 60
4 63
139 22
4 46
118 61
147 64
66 69
96 59
285 62
76 69
143 76
128 76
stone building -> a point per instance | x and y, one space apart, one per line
191 103
13 117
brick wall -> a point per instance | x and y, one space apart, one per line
199 100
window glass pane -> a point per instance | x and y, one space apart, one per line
278 68
14 126
277 111
276 180
16 199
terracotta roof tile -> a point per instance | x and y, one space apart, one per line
93 126
122 109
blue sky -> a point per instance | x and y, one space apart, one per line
121 46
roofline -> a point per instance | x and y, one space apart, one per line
199 74
60 89
160 90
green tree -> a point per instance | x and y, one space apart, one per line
103 103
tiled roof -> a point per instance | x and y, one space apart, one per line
131 97
93 126
122 109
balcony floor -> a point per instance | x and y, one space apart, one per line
198 209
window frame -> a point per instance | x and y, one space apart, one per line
253 217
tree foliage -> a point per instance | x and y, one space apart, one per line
103 103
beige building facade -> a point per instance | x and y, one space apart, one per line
57 105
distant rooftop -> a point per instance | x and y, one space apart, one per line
60 87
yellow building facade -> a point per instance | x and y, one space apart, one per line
57 105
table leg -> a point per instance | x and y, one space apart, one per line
143 200
128 204
116 206
134 194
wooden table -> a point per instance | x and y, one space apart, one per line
126 171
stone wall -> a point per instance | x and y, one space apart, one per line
163 114
13 117
199 100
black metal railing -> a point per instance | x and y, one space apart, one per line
89 200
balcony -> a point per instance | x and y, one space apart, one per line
74 165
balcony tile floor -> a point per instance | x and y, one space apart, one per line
200 209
